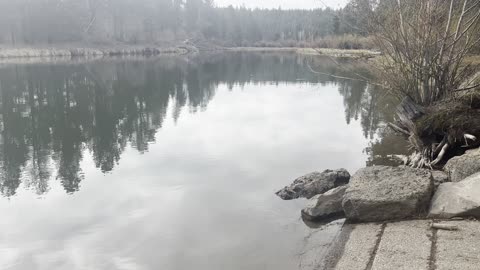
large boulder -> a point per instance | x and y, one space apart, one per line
460 199
461 167
325 205
381 193
314 183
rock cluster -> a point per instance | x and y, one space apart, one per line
383 193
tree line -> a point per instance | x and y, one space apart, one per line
103 22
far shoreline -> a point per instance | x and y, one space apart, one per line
45 53
342 53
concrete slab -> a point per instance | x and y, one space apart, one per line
404 245
408 245
458 249
359 246
317 243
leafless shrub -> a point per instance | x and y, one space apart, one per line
425 44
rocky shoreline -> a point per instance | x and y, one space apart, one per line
383 193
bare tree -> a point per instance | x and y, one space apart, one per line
425 44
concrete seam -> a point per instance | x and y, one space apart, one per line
432 260
336 251
375 249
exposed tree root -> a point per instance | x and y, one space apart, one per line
439 131
440 155
468 137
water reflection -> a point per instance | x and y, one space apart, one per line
172 163
52 115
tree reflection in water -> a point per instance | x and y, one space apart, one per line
51 115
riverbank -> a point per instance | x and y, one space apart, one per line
342 53
386 193
397 217
109 51
92 51
65 52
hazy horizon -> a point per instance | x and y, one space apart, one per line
284 4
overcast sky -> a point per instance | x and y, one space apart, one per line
284 4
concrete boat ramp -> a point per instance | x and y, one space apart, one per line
408 245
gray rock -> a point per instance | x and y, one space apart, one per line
461 167
325 205
314 183
439 178
383 193
457 199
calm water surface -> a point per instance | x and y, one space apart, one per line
172 163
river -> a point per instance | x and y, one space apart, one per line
172 162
